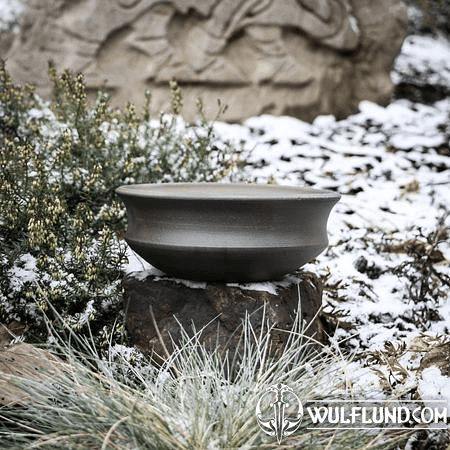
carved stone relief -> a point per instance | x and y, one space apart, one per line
297 57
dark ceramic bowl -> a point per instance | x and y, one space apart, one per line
226 232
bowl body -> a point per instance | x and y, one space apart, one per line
226 232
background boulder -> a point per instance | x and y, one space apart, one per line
301 58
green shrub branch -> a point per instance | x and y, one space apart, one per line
60 219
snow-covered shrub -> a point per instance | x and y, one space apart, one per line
60 219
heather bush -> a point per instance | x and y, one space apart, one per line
60 219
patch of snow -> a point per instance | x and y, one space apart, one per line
364 382
24 271
10 12
435 387
272 287
138 267
428 56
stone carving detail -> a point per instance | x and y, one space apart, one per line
256 55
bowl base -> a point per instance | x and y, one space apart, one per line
229 265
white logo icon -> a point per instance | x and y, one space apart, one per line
279 411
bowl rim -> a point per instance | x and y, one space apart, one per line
225 191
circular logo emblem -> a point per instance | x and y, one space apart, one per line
279 411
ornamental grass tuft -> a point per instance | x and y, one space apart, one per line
198 399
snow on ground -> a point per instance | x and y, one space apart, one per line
425 55
10 11
395 186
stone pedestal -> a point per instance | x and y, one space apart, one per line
156 307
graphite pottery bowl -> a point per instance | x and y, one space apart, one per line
226 232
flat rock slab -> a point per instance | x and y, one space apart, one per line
22 364
158 308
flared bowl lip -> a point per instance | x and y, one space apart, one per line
225 191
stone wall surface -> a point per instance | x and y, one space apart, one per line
296 57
